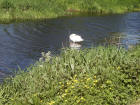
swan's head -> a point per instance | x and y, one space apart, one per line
75 38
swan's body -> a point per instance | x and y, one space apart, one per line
75 41
76 38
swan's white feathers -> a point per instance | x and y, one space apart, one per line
76 38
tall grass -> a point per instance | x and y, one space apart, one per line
97 76
40 9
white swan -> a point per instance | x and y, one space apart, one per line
75 38
75 41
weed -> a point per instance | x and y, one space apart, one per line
96 76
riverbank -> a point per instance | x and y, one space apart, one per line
99 76
15 10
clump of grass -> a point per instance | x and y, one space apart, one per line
40 9
97 76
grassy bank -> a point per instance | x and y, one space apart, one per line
41 9
97 76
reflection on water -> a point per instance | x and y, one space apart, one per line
22 43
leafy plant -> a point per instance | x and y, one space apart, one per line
6 4
97 76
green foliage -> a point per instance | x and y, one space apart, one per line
97 76
6 4
40 9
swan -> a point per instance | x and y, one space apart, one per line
75 41
75 38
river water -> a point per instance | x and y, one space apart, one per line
21 44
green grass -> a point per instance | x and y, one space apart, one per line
96 76
12 10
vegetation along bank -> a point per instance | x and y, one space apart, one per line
96 76
42 9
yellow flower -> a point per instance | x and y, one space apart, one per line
94 77
75 76
76 81
86 86
51 103
88 79
95 81
78 101
68 83
108 82
63 95
75 97
72 87
60 82
82 98
41 101
12 99
118 67
66 90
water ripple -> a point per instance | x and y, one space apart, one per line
22 43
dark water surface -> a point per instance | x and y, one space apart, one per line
22 43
